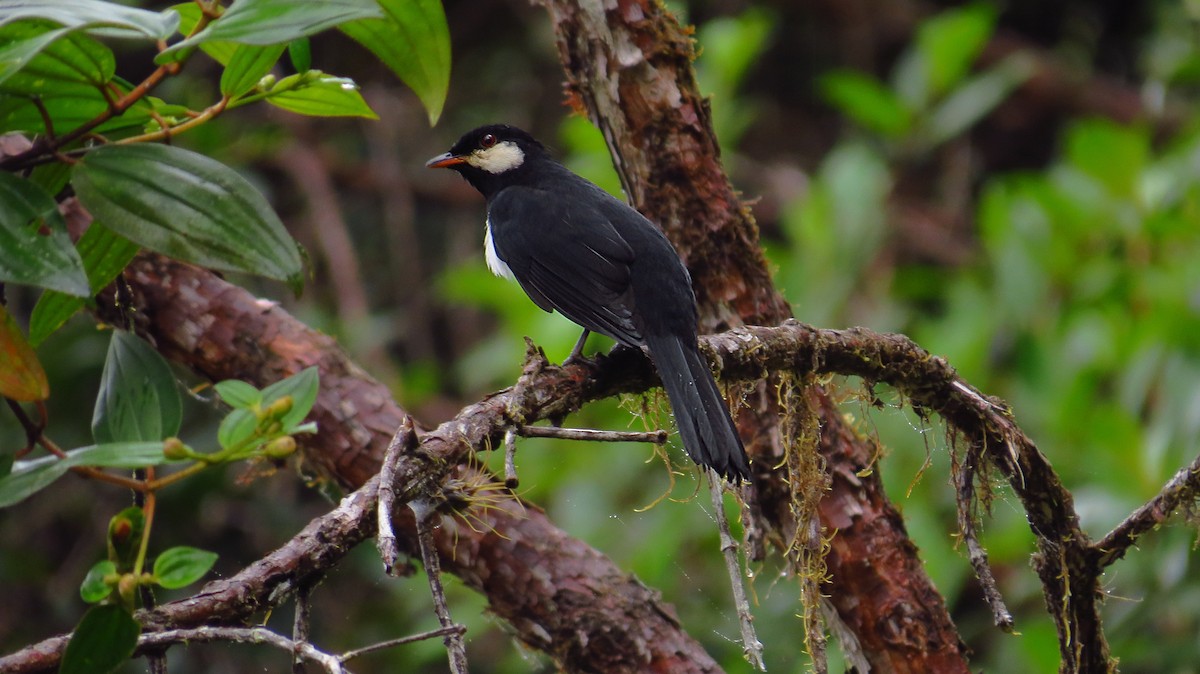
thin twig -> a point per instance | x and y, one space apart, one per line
510 459
301 621
412 638
1181 488
244 635
455 648
976 554
402 442
752 648
591 435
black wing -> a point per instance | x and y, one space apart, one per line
567 256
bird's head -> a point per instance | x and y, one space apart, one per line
491 156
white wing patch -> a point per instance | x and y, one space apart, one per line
499 267
498 158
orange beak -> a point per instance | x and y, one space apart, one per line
445 161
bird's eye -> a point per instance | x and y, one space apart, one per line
487 141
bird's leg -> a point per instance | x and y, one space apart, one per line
577 352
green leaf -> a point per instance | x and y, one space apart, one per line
238 394
264 22
867 101
94 588
975 98
189 16
104 254
138 398
187 206
21 375
22 483
300 54
29 477
237 427
124 540
7 456
322 96
105 638
70 105
414 41
247 66
34 246
181 566
1112 154
24 40
950 42
103 18
71 57
127 455
302 387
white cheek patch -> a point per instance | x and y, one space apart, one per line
498 158
499 267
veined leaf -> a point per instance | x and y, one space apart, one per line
29 477
413 40
104 254
321 96
138 399
71 58
103 640
34 246
264 22
187 206
104 18
247 66
182 565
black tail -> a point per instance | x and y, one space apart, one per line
707 430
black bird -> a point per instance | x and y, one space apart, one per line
574 248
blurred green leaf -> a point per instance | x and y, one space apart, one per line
238 394
181 566
236 428
413 40
187 206
94 589
321 96
22 377
34 246
300 54
1110 153
730 46
105 18
103 640
247 66
302 387
264 22
867 101
104 254
138 399
951 41
974 99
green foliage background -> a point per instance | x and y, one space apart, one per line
1074 295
